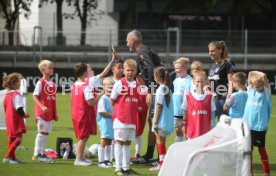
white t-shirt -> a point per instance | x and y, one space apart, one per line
159 96
116 91
17 102
94 81
87 91
198 97
101 106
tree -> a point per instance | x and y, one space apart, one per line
59 17
87 12
10 11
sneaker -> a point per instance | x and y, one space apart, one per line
88 161
80 162
9 161
103 165
154 162
108 163
42 159
155 168
135 157
141 160
19 161
119 172
130 172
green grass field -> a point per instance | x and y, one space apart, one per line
63 128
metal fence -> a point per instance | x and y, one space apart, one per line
169 43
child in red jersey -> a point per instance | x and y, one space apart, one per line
142 115
199 108
14 114
124 98
82 112
44 97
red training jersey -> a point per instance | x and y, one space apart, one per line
83 115
48 98
198 116
14 122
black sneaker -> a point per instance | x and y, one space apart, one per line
130 172
120 172
154 162
141 160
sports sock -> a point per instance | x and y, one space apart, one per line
39 141
126 156
149 153
12 148
100 154
10 141
162 152
118 156
112 152
107 151
264 159
138 144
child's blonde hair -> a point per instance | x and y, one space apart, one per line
108 81
255 80
10 80
239 77
44 63
200 73
196 65
182 61
130 63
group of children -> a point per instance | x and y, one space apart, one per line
120 110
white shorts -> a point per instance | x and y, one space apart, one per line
178 122
161 133
124 134
44 126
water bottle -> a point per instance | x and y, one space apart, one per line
66 153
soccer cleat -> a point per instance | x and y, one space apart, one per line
80 162
42 159
155 168
130 172
10 161
135 157
103 165
108 163
141 160
119 172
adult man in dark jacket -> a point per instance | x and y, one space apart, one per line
147 60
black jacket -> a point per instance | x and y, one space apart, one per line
147 60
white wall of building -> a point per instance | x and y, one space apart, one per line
97 33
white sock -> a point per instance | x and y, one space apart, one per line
126 156
107 153
100 154
112 152
39 142
44 141
178 139
138 144
118 156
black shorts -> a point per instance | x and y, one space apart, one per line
258 138
178 117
